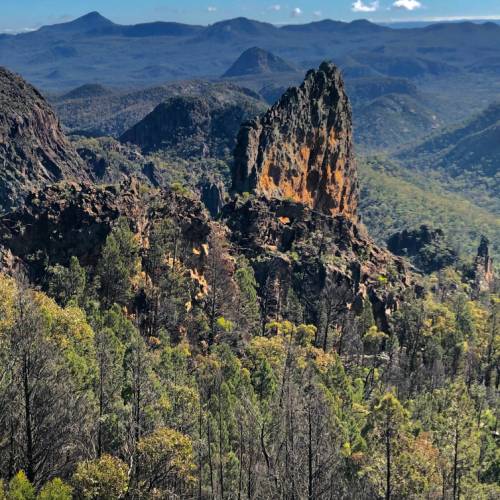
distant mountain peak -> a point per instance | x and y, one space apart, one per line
239 26
257 61
92 17
329 25
87 22
241 23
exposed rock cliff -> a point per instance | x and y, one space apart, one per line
301 149
297 225
212 194
483 272
70 218
33 149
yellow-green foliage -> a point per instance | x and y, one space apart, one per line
56 489
7 298
66 327
70 331
20 488
167 450
105 478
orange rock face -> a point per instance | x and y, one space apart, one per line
301 149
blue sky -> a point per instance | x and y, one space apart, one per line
18 15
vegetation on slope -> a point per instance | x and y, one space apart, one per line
126 388
394 198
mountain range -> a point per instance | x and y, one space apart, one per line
226 285
93 49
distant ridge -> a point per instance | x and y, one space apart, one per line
153 29
256 61
87 90
95 49
329 25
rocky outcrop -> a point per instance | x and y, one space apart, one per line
317 257
295 219
483 271
427 248
193 126
301 149
256 61
70 218
33 149
212 194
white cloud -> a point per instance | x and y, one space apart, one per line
296 12
317 13
15 31
407 4
360 6
276 7
211 8
461 18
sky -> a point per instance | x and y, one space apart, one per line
20 15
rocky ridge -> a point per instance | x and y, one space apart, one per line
73 219
33 149
298 229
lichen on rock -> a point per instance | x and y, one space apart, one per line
301 149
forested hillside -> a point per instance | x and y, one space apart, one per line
203 400
394 198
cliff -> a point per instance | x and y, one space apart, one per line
33 149
301 149
73 219
295 217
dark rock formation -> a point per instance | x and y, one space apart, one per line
297 224
427 248
298 228
33 149
212 195
68 219
483 272
257 61
193 126
301 149
317 257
